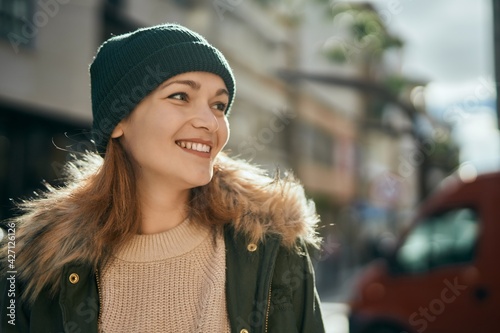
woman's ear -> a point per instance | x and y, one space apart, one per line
118 131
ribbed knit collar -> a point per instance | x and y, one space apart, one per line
168 244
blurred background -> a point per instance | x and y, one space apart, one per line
370 103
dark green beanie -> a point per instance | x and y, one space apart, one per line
128 67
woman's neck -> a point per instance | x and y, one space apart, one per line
162 208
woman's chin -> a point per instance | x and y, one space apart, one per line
202 180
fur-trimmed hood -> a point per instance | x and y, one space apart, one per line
271 206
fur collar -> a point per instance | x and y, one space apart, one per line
272 207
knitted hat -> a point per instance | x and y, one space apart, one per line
128 67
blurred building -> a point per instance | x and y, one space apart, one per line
45 50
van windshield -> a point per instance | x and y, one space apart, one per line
442 239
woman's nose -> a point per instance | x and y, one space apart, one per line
206 119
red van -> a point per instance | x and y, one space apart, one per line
444 273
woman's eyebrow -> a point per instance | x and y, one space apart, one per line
192 84
222 91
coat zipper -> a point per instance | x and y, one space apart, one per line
266 325
268 308
99 297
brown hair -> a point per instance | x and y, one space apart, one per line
110 200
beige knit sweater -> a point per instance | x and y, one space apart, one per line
168 282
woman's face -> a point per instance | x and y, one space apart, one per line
174 134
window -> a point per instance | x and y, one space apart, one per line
13 14
439 240
316 144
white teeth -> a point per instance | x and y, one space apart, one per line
194 146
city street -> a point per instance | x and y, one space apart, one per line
190 165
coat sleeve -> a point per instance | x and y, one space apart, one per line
294 297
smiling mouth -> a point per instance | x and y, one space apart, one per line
200 147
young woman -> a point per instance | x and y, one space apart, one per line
158 231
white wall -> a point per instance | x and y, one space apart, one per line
53 74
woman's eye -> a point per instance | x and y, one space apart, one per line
220 106
179 96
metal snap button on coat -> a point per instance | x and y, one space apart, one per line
74 278
244 330
252 247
